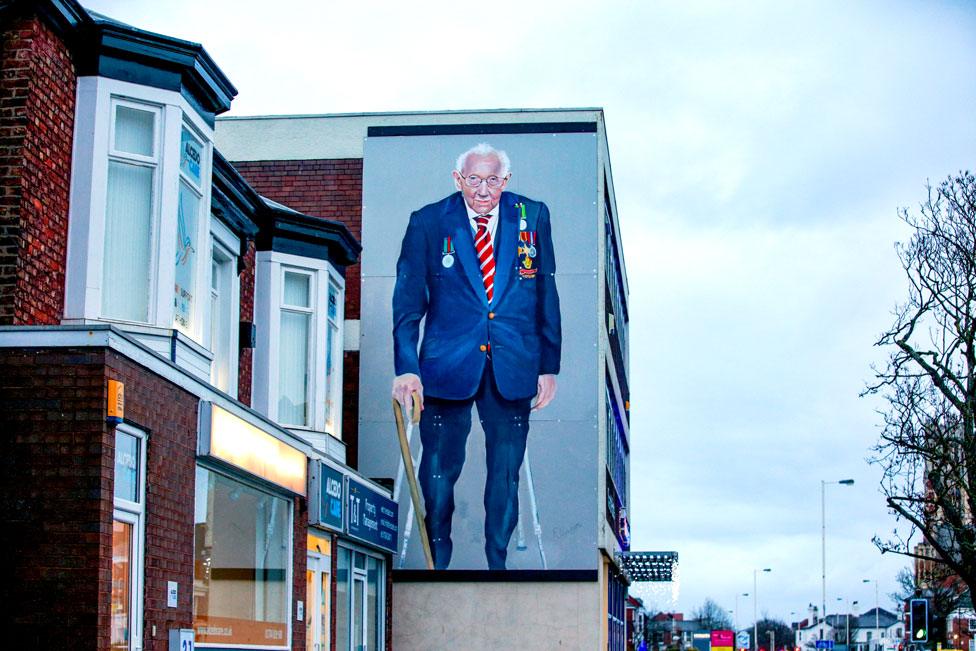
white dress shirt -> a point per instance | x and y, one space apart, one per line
492 221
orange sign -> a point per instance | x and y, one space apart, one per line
116 401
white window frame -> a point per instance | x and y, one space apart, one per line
225 244
134 513
269 279
93 142
314 320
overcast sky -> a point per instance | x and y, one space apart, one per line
759 153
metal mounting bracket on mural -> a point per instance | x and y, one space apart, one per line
404 432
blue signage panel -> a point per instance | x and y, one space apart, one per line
330 498
373 517
825 644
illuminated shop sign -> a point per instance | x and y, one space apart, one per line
372 517
326 496
233 440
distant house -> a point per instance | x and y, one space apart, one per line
877 630
672 631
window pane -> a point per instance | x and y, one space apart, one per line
191 156
333 301
128 245
309 610
296 289
331 377
187 232
357 614
342 599
221 321
121 585
293 368
134 130
241 546
373 603
324 612
127 459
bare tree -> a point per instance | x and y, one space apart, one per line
927 448
712 617
782 636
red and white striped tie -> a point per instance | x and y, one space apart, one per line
486 255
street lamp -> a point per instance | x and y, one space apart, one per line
823 543
755 605
877 609
744 594
847 627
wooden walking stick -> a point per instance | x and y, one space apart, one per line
418 506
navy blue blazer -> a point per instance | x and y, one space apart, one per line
522 323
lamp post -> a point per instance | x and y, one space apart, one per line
755 605
823 543
877 609
744 594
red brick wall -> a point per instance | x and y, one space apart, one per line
56 456
350 406
37 105
170 416
245 369
330 188
299 565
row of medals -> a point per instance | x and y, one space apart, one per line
448 260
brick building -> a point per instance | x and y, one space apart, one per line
176 454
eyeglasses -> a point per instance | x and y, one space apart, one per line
475 181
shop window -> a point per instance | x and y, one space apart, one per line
360 600
242 562
140 188
127 539
298 365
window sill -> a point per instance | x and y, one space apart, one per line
165 342
323 442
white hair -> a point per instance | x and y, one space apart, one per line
484 149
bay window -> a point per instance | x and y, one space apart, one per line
140 191
298 361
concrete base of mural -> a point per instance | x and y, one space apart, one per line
476 616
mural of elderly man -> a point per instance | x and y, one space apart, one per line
478 268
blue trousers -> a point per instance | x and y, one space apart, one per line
444 429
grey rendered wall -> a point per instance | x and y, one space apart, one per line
491 616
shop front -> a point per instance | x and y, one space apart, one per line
351 538
246 486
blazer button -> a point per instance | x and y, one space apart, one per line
483 347
491 315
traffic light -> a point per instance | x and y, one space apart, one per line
919 621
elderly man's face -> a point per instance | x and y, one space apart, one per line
476 182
